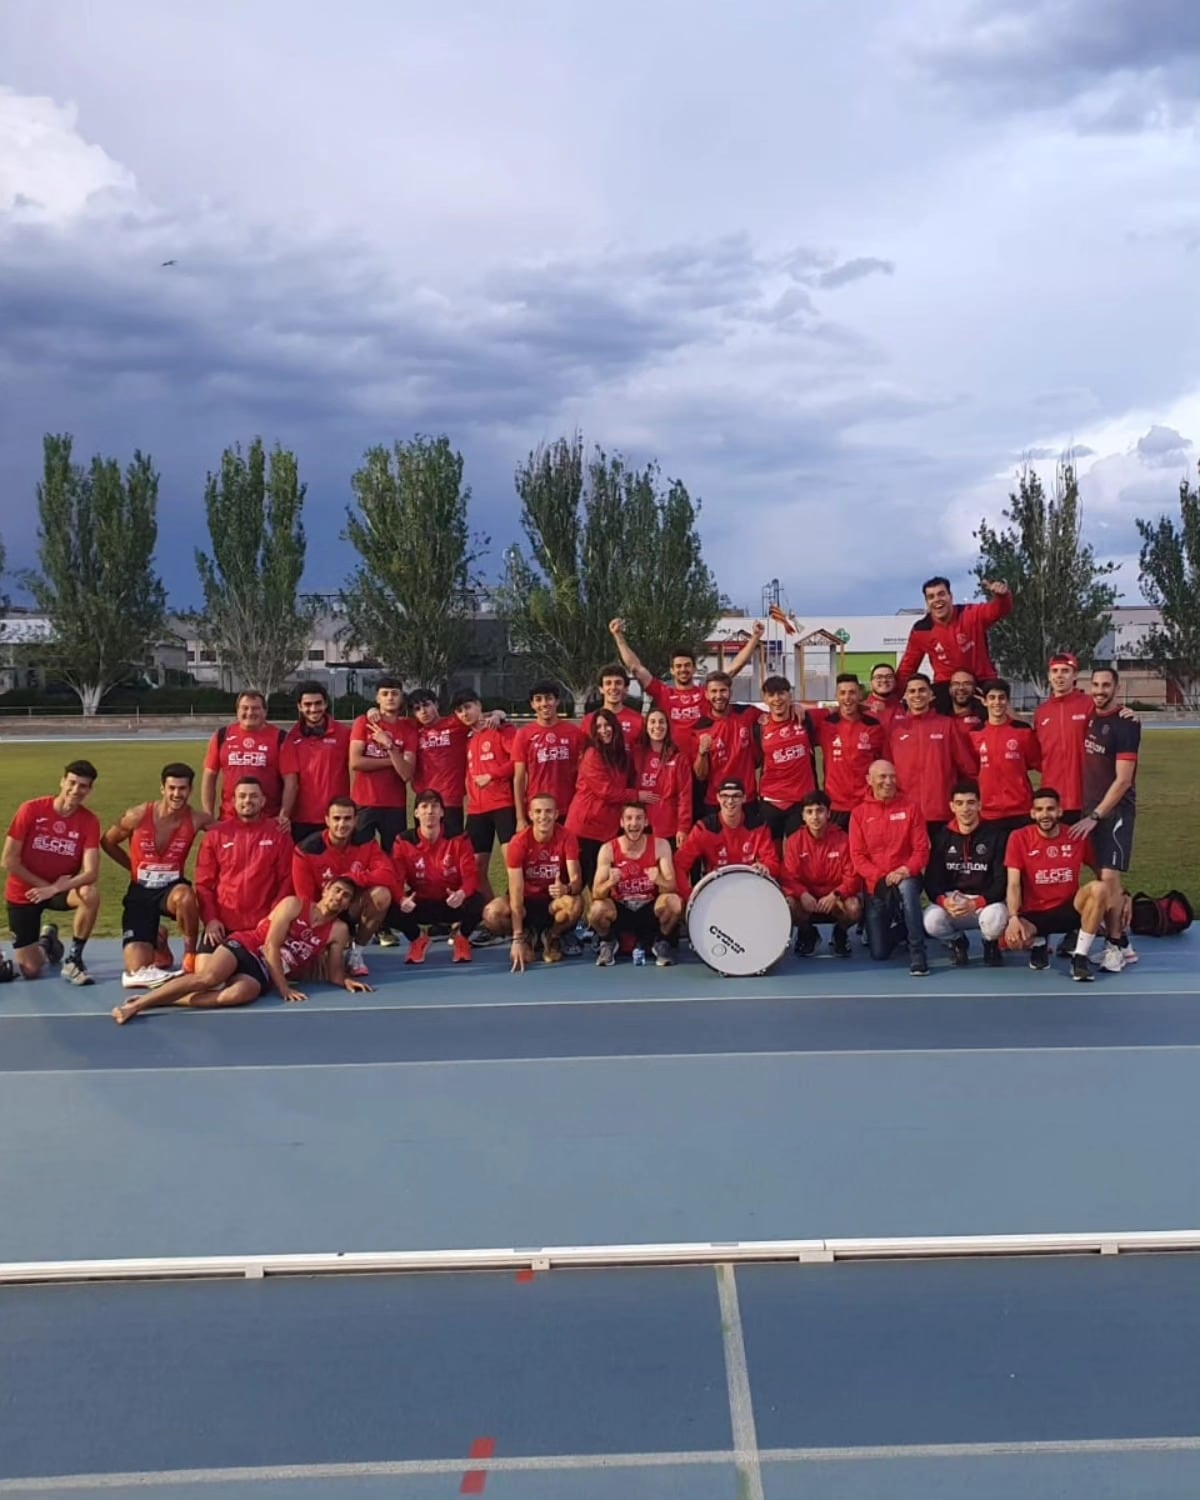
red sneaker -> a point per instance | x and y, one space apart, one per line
462 949
417 949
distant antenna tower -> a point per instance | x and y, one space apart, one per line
770 595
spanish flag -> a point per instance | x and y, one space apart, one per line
780 618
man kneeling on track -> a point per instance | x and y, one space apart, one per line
965 879
1046 895
634 891
341 849
288 944
160 836
436 880
819 878
545 886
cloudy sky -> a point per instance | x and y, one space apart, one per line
838 264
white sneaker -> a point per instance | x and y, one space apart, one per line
1112 962
355 963
139 979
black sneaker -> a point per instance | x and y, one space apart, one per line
806 942
992 956
918 966
1066 948
1039 956
841 942
50 944
960 952
1081 971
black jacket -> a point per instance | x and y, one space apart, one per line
971 863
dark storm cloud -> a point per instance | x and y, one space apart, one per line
1121 65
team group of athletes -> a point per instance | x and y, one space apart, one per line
306 852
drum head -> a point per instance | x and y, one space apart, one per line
738 921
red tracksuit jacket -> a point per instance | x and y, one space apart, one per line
243 871
961 644
819 867
600 789
714 845
930 752
886 835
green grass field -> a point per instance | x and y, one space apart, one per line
1168 835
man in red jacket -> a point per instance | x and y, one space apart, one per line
314 762
726 837
819 878
244 868
890 849
435 881
930 751
1007 750
954 635
341 849
885 700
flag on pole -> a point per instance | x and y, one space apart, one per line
777 614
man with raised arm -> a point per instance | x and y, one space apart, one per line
545 886
634 891
52 860
953 636
160 836
247 747
682 699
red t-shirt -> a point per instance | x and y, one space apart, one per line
321 764
635 875
734 752
382 788
550 755
489 753
52 843
234 752
683 707
788 771
630 719
1007 753
1049 866
315 861
304 941
154 868
431 870
442 759
545 864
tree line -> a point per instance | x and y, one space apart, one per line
601 538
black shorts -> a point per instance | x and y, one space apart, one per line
25 921
489 828
1112 839
537 915
782 822
387 823
142 911
302 831
249 964
639 921
1053 923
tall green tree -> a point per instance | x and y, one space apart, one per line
1061 599
97 531
409 602
252 618
1169 574
604 540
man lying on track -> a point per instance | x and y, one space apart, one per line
288 944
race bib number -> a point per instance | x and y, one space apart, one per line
154 877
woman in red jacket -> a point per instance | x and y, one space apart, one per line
604 783
664 780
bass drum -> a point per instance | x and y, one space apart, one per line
738 921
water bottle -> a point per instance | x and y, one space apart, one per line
639 956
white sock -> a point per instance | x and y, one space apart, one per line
1083 943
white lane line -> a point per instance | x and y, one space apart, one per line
737 1379
566 1462
157 1070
